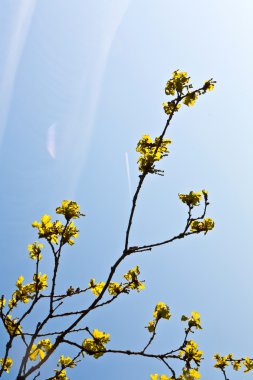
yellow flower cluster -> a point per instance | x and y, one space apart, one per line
205 226
35 250
114 288
69 232
209 85
26 292
96 288
162 310
170 107
70 209
193 198
95 346
155 376
64 362
7 365
191 352
151 151
236 365
52 231
132 277
39 350
193 321
60 375
190 99
151 326
224 361
179 85
2 302
40 281
248 364
190 374
12 326
47 229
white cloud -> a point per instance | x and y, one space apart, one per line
20 20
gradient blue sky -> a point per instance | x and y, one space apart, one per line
80 82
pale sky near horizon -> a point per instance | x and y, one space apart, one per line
80 82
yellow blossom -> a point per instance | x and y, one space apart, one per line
66 362
132 277
12 303
209 85
193 321
151 326
2 302
151 151
191 98
96 288
191 199
21 294
60 375
7 365
248 364
222 361
70 232
155 376
26 292
205 226
236 365
40 281
95 346
35 250
12 326
177 83
162 311
49 230
40 349
190 374
114 288
164 377
69 209
170 107
191 352
101 336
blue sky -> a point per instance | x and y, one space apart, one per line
81 81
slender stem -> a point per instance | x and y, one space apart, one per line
151 338
57 256
124 352
143 176
169 367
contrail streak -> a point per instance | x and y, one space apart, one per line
80 116
51 140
